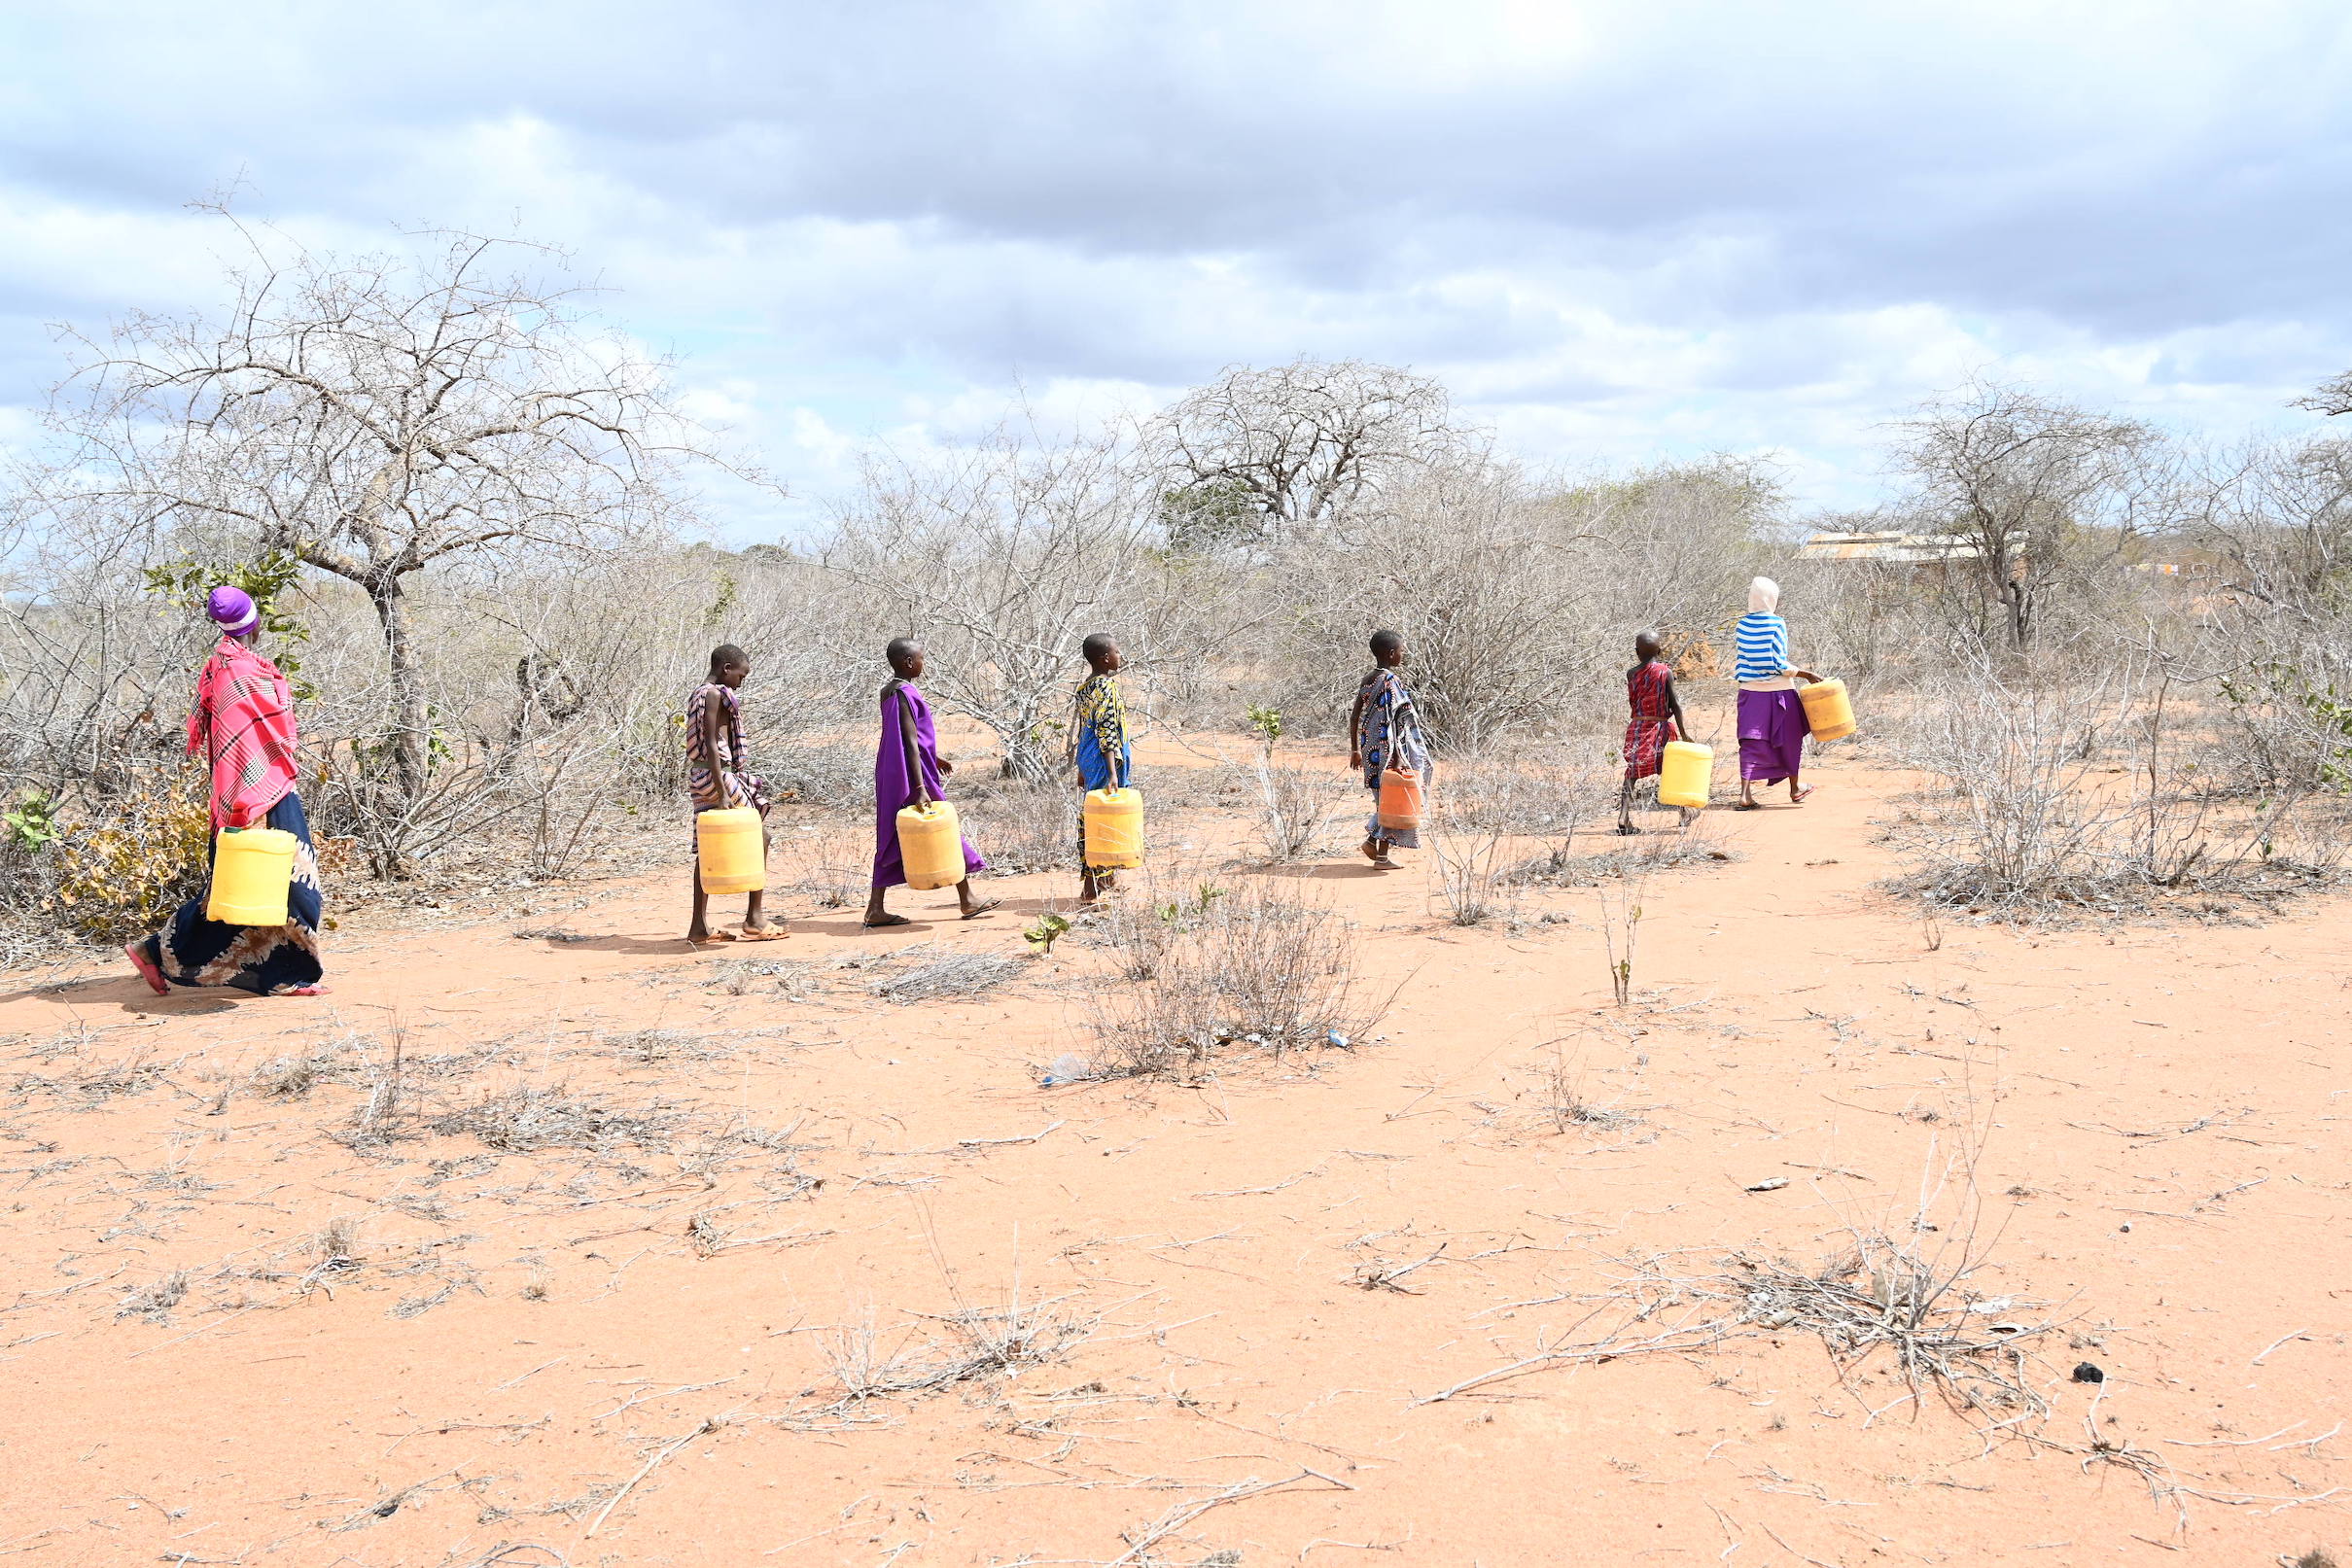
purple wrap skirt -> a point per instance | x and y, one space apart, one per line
1771 734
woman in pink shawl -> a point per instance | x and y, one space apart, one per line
242 724
909 770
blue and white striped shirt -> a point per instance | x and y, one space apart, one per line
1763 645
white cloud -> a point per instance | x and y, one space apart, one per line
1619 229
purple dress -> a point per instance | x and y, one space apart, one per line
1771 734
894 788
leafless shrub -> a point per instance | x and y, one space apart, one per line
1296 807
1621 933
1510 799
1141 924
836 775
529 1117
2040 822
1472 882
831 866
1256 969
1003 556
1022 826
384 1114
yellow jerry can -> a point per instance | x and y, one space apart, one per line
1685 773
251 871
1115 828
731 851
931 842
1828 712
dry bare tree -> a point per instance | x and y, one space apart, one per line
2280 516
2024 479
380 417
2331 396
1520 601
1259 452
1002 559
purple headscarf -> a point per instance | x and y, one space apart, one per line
234 609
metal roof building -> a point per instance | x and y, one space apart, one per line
1894 546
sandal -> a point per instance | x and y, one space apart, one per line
757 933
978 910
137 953
887 921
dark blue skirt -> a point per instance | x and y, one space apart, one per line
195 951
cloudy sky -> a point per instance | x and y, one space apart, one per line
1619 229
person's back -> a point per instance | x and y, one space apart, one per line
1760 642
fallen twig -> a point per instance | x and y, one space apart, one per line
987 1143
1183 1513
710 1423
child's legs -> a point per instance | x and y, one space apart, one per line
752 905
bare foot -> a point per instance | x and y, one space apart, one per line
1627 828
1380 862
1371 850
137 953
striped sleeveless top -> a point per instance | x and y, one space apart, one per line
1762 647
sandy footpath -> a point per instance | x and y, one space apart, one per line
1164 1324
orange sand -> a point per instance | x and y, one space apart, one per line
517 1337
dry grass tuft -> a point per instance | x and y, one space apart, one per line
529 1117
1569 1105
293 1076
1883 1295
1563 866
977 1342
653 1046
952 976
152 1303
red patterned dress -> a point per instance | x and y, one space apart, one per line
1647 688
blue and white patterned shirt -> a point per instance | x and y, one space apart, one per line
1762 647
